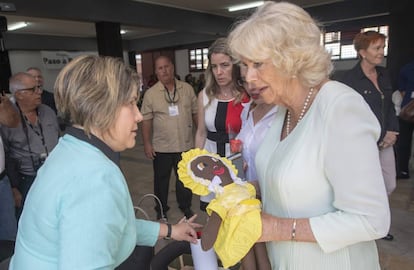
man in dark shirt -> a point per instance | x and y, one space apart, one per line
406 87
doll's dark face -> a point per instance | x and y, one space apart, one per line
207 167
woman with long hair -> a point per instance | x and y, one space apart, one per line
220 104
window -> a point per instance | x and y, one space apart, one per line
198 59
340 44
348 52
138 61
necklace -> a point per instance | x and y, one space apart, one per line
226 95
302 113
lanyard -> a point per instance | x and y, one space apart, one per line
26 122
168 96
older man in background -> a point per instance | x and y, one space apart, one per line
28 145
169 109
47 97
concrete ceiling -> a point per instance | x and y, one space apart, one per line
154 23
85 29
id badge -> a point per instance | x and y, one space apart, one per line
173 110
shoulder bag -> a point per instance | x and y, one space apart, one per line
407 112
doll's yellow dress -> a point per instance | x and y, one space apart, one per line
241 223
236 204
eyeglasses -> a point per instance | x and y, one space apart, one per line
32 89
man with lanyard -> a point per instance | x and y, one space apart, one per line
47 97
406 87
8 225
169 109
27 146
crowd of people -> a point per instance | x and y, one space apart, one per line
323 155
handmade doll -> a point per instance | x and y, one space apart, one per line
234 224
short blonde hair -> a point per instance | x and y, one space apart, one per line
90 89
288 36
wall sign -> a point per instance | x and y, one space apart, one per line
58 59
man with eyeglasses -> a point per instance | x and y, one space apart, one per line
47 97
169 109
28 145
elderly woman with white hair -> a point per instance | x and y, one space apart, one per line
322 208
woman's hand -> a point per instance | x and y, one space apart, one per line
8 114
389 139
184 230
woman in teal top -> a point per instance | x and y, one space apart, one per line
79 212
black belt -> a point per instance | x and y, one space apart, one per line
221 138
218 137
2 175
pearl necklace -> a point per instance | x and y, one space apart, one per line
302 113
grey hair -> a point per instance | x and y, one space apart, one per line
16 81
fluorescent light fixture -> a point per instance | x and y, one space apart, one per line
17 25
123 31
246 6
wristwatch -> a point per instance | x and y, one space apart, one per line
169 230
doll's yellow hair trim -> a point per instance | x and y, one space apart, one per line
197 184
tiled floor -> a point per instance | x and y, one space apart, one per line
394 255
399 253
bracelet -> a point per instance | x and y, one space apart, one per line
293 234
169 230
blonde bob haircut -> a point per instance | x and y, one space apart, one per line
90 90
286 35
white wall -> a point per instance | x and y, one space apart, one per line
182 64
21 60
344 64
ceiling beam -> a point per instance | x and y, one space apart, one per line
349 10
126 12
40 42
178 39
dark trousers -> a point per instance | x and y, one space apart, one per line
169 253
140 259
404 146
24 186
163 163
